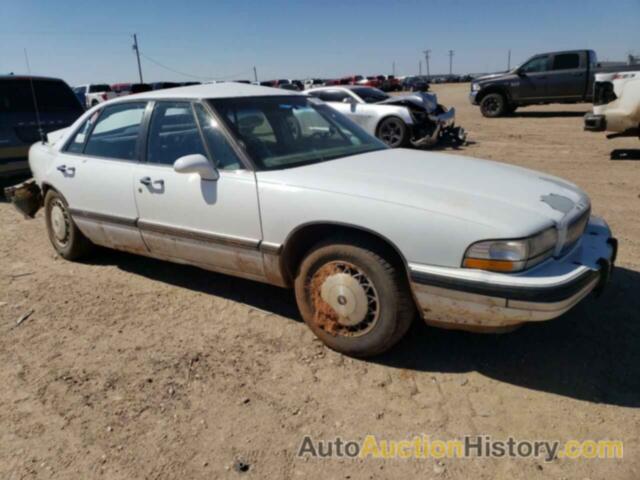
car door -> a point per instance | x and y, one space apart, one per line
94 172
533 77
567 77
214 224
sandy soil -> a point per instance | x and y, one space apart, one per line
134 368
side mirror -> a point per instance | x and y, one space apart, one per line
196 163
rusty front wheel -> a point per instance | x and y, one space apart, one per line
353 299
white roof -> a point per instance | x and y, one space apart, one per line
212 90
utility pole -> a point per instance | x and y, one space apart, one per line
137 50
393 68
451 53
255 74
509 60
427 54
420 67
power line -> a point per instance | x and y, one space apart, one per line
199 77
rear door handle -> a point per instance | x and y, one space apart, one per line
66 170
145 181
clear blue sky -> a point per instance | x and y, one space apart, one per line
89 41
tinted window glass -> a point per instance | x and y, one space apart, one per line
538 64
173 133
52 96
223 155
76 145
331 95
283 132
116 132
99 88
566 61
370 95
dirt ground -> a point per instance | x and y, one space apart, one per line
134 368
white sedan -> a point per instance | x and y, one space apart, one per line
278 187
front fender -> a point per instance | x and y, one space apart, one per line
394 111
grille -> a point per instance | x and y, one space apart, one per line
575 230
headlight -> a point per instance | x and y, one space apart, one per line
511 255
475 87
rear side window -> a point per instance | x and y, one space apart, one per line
16 96
566 61
116 132
173 133
76 145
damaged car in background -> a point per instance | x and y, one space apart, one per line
415 119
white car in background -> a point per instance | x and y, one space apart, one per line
616 105
415 119
278 187
92 94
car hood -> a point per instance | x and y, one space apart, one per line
514 200
427 101
493 76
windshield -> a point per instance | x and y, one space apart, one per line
284 132
370 95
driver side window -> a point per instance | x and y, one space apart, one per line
173 133
535 65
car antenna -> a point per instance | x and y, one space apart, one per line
34 98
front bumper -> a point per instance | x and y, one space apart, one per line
472 299
472 97
595 123
439 126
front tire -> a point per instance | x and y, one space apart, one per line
353 298
493 105
67 240
393 131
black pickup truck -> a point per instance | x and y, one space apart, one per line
556 77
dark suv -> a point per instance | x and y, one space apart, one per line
58 108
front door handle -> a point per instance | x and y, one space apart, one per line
145 181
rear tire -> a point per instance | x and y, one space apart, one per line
393 131
352 298
63 233
493 105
